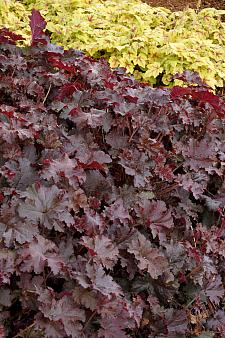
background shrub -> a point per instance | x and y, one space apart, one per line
152 43
111 200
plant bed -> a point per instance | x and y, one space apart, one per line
151 43
180 5
112 197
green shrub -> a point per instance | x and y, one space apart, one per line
150 42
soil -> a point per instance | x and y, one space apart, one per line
179 5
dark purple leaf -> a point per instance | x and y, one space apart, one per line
41 252
157 217
102 250
214 289
176 321
148 257
191 78
47 206
102 282
37 25
217 322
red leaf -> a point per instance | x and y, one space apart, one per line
2 332
62 65
74 112
92 252
66 91
92 165
212 99
179 91
9 114
8 37
200 95
1 197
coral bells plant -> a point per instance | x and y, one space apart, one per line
111 199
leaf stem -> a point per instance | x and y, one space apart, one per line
46 96
89 319
19 335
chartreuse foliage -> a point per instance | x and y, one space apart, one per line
149 42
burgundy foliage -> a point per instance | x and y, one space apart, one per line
111 199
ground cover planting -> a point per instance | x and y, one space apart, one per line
152 43
112 199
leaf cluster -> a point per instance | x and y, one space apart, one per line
151 43
111 199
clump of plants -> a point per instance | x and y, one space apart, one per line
111 199
152 43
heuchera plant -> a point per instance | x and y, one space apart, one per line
111 200
153 43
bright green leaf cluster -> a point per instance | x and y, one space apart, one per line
149 42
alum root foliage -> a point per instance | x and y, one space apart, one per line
111 199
